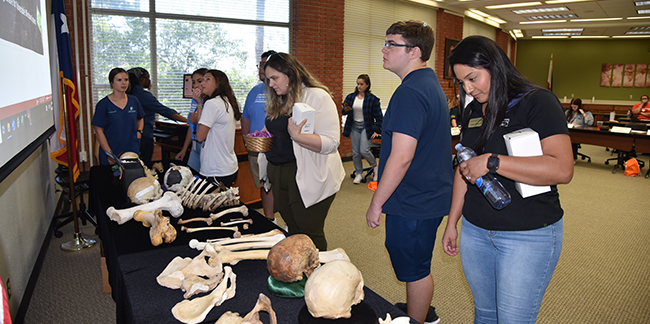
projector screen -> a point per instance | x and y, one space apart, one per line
26 107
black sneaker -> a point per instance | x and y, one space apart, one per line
432 317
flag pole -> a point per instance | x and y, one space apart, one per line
78 243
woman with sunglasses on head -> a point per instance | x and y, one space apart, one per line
305 169
508 255
194 161
217 129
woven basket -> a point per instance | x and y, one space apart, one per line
258 144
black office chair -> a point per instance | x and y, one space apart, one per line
622 157
583 156
80 186
374 149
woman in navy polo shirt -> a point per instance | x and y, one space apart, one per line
118 119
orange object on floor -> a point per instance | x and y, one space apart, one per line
372 185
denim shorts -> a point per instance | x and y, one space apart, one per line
410 245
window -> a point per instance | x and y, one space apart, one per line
177 38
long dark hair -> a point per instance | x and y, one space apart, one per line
574 101
365 79
224 90
506 82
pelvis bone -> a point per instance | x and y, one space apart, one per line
193 276
253 317
195 310
169 202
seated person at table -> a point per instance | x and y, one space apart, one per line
642 109
454 111
578 116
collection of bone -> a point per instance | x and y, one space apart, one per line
288 258
184 190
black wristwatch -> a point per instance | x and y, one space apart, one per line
140 131
493 163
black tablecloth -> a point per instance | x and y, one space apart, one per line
133 264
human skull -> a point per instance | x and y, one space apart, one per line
177 177
291 257
143 190
333 289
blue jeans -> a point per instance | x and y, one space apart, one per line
509 271
360 147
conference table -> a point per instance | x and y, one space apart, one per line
623 142
133 264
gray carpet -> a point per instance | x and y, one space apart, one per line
602 277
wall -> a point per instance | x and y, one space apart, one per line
577 65
27 197
447 26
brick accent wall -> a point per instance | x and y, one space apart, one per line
317 41
447 26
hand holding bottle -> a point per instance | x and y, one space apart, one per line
491 188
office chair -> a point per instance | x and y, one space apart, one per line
375 149
80 186
583 156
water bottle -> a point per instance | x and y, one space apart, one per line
629 114
491 188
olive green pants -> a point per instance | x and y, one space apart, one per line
287 200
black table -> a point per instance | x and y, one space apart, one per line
133 264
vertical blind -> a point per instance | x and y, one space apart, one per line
366 22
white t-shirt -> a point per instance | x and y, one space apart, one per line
218 157
357 109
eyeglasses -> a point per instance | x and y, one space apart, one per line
391 45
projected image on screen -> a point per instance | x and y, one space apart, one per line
26 107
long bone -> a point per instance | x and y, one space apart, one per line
267 243
241 209
245 223
273 235
235 229
207 220
195 310
230 257
169 202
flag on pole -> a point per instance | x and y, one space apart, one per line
66 83
549 81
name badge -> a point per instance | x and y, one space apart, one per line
475 122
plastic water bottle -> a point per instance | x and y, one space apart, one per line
629 114
489 185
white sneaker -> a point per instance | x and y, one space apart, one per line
357 179
375 173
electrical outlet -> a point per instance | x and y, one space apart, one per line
572 95
82 156
8 289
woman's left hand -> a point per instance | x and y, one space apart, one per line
294 130
475 167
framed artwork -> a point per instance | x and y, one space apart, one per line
617 75
628 76
449 45
641 71
187 85
606 75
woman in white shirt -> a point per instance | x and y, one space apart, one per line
217 129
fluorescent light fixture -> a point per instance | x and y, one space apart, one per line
518 33
512 35
550 37
589 37
482 19
542 22
640 28
562 34
514 5
632 36
559 30
563 1
480 13
595 19
550 17
647 32
647 17
539 10
641 3
500 21
643 12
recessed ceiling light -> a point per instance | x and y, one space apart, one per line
514 5
500 21
542 22
512 35
647 17
551 17
641 3
562 34
640 28
595 19
480 13
632 36
646 32
538 10
518 33
556 30
643 12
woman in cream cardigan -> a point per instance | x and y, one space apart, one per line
305 169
